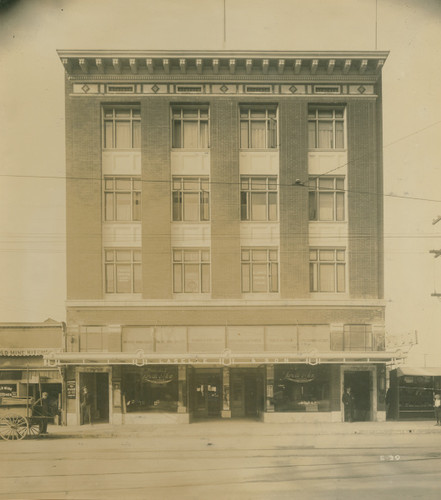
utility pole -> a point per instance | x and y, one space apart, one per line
436 252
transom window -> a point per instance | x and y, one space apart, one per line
123 270
122 198
354 338
326 127
191 270
258 198
260 270
122 128
258 127
327 198
190 127
327 270
191 199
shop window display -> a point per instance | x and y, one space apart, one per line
150 389
301 388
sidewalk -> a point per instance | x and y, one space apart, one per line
243 428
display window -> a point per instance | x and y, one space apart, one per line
150 389
301 388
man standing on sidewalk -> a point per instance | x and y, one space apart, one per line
437 408
348 401
86 403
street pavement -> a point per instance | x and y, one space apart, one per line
226 460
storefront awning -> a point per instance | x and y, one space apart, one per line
226 358
413 371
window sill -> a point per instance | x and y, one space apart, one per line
190 150
107 150
123 297
327 150
259 150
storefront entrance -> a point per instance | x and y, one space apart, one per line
360 383
206 393
246 392
98 387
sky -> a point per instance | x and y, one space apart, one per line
32 142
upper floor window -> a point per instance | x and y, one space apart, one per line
355 338
326 127
327 198
191 270
260 270
191 199
122 198
258 198
122 128
190 127
327 270
123 270
258 127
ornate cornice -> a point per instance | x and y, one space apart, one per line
271 65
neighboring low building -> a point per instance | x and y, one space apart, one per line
224 235
22 369
411 392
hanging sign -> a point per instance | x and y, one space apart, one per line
71 389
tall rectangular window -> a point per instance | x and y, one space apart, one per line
326 127
191 199
191 270
357 338
122 128
260 270
258 127
327 270
327 198
258 198
122 198
123 270
190 125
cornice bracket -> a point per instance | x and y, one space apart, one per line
117 65
347 66
83 65
133 66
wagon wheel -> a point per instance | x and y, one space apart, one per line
33 427
13 427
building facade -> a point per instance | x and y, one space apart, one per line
224 235
23 373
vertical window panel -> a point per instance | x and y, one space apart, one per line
191 199
191 271
190 128
258 199
260 270
326 127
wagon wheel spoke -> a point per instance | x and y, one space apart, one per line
15 427
34 428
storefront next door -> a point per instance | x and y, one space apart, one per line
98 387
206 392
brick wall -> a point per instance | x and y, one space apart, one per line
363 206
83 197
156 217
294 259
225 199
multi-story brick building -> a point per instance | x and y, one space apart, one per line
224 235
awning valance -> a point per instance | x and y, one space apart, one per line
225 358
414 371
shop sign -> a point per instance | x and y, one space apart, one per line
71 389
26 352
300 376
158 377
8 390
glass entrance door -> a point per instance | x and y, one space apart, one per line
207 394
